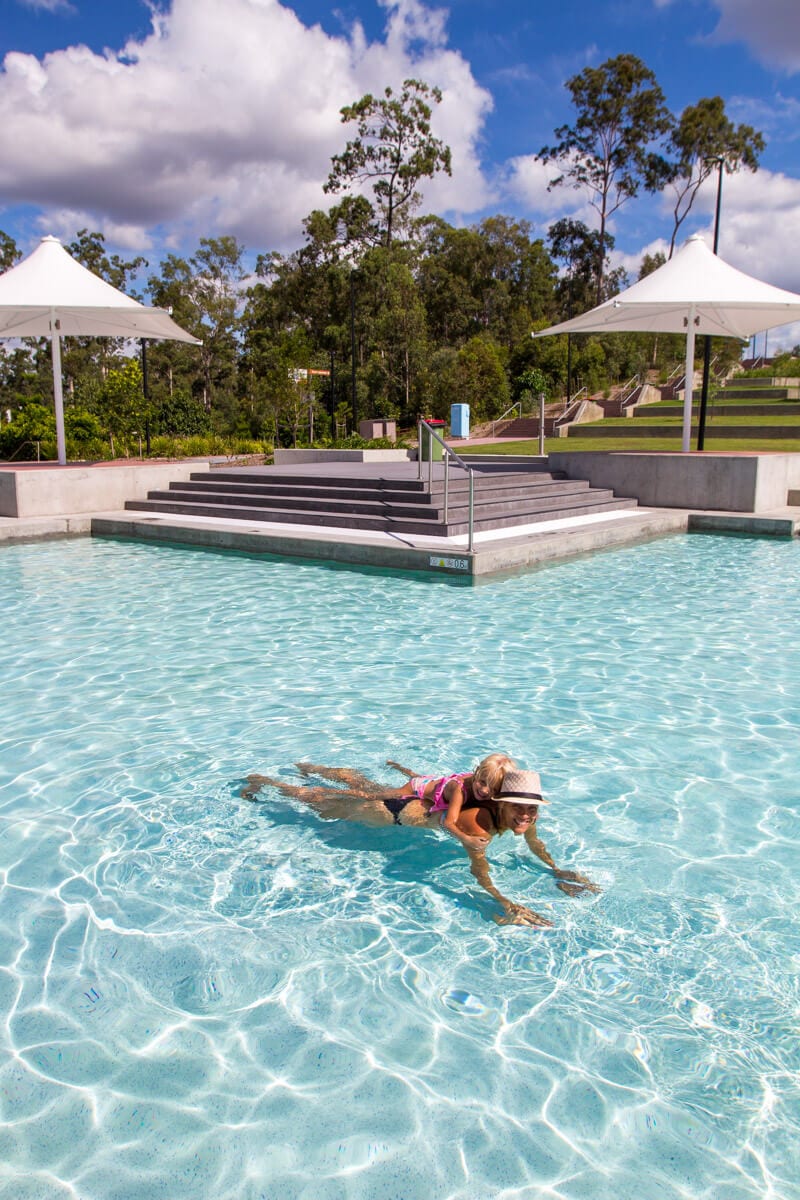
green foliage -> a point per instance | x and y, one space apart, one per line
786 366
180 414
531 384
30 424
9 254
650 263
473 375
33 428
118 402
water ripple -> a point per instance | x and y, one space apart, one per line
205 996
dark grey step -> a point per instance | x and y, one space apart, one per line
489 488
546 496
269 477
457 522
514 463
485 483
364 504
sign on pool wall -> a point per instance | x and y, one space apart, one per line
449 564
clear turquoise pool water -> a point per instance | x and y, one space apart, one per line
205 997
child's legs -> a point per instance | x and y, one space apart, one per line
353 779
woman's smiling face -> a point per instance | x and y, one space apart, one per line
518 817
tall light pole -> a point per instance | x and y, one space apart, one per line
701 420
353 397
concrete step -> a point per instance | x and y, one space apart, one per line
589 501
502 497
505 463
396 504
336 503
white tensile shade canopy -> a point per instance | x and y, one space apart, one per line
49 294
695 293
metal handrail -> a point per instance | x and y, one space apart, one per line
576 408
503 416
569 403
634 383
22 446
448 454
573 401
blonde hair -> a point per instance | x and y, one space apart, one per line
492 770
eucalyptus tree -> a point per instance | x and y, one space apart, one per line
394 150
608 151
705 140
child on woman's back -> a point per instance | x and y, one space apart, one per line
452 793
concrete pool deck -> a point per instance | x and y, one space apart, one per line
495 551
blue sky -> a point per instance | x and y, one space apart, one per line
161 124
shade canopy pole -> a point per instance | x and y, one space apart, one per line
688 381
58 394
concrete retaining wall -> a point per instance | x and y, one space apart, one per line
37 491
724 482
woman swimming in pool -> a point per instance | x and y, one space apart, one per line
513 807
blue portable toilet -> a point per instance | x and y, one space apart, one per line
459 420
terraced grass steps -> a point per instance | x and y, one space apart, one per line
525 493
742 410
784 408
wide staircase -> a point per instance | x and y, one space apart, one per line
517 492
526 428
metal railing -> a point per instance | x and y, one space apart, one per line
447 455
629 390
574 398
572 409
514 408
22 446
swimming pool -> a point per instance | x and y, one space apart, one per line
203 996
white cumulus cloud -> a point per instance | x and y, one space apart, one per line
770 29
223 119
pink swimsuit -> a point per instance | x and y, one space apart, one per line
420 782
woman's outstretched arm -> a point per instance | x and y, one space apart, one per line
570 882
515 914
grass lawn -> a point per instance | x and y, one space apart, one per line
744 419
636 445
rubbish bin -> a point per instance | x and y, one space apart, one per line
431 450
459 420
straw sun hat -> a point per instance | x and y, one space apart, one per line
521 787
